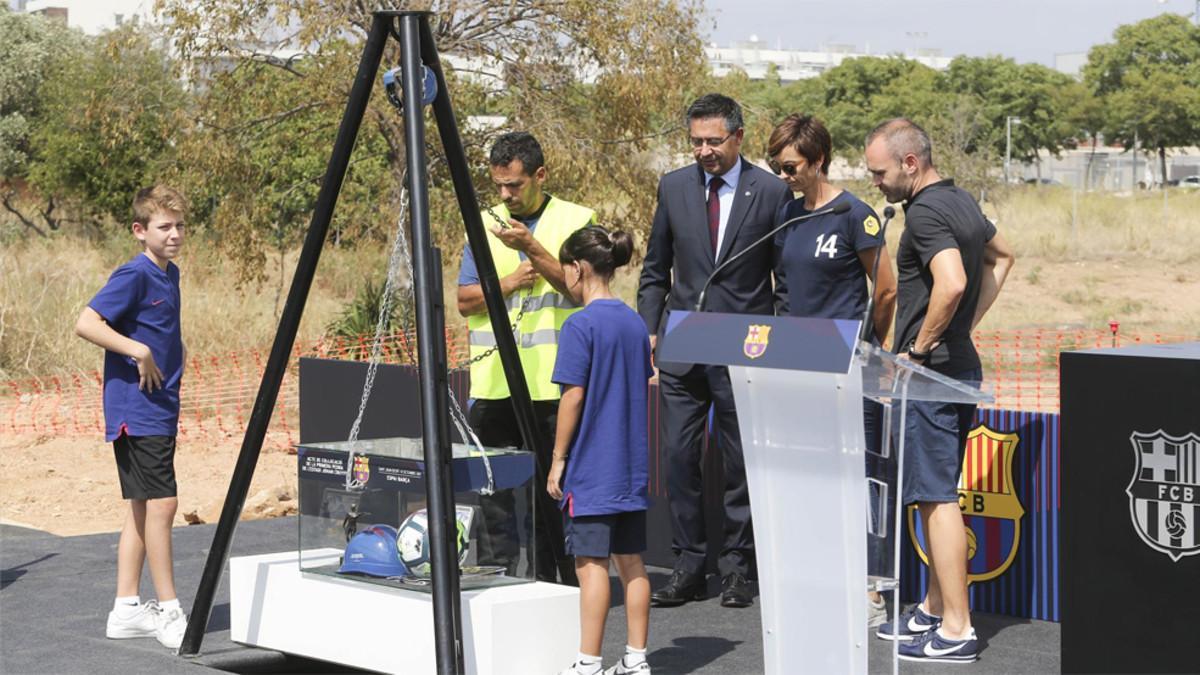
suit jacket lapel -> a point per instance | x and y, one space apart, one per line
743 197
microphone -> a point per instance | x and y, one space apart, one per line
841 207
867 324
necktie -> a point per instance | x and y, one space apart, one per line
714 211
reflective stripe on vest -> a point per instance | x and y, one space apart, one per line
532 304
557 300
546 336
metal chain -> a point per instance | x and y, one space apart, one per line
520 312
385 311
399 254
492 350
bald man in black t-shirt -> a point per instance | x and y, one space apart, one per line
951 264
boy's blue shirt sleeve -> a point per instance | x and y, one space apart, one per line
574 361
119 295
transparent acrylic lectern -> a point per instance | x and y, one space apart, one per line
799 385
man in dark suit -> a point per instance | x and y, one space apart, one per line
707 212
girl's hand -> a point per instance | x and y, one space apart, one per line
554 481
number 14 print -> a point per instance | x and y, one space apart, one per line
823 246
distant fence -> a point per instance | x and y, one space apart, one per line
219 389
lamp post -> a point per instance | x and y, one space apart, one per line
1008 122
1134 181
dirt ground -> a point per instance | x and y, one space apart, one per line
1146 297
69 486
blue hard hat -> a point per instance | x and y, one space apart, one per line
373 551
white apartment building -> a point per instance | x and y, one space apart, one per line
755 57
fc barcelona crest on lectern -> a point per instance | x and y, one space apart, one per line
1164 492
757 337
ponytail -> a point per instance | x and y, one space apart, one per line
605 251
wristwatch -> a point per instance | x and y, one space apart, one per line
916 355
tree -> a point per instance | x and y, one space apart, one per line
1084 112
1162 108
110 122
32 49
849 91
1148 78
255 159
602 83
1027 91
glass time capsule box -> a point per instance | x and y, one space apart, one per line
366 499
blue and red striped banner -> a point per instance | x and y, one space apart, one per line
1005 501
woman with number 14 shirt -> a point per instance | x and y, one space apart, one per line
821 269
824 263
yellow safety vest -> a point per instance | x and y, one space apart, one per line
545 309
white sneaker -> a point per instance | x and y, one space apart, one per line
171 625
642 668
144 623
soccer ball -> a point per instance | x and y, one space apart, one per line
972 544
413 544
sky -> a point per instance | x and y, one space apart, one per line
1026 30
91 15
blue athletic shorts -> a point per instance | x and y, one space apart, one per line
936 435
602 536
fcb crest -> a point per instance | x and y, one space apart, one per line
757 337
990 507
1164 492
362 468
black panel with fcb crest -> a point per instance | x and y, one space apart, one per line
1130 539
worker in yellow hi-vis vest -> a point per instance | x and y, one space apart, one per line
525 234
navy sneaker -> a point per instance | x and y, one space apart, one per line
913 623
934 648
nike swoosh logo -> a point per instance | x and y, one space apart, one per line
156 303
930 650
916 627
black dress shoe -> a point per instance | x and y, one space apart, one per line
681 587
736 591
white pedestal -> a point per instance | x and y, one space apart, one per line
525 628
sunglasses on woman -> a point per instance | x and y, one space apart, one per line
789 169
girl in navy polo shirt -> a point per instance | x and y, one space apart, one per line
600 469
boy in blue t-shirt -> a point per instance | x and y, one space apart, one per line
600 470
135 318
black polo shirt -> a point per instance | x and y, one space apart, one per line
939 217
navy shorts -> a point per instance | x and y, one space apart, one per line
602 536
935 437
146 466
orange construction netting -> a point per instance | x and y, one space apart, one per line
219 389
